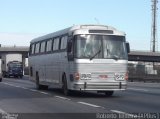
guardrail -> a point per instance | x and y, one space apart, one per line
146 78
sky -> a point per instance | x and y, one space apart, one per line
23 20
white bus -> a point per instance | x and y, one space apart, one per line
82 58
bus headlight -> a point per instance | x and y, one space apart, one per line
126 76
76 76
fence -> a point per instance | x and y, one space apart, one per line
143 71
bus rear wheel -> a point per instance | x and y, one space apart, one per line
65 89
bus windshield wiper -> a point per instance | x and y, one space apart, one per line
95 54
115 57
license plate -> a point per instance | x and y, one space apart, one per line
119 77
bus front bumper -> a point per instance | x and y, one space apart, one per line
100 86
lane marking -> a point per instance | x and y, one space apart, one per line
120 112
33 90
88 104
138 89
23 88
15 85
42 92
64 98
8 84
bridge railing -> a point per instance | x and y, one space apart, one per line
146 72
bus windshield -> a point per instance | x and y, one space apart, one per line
100 46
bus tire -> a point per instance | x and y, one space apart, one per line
65 89
109 93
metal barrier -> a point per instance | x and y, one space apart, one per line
142 71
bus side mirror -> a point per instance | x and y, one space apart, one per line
128 47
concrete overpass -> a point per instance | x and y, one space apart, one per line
15 49
145 56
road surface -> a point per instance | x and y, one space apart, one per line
20 99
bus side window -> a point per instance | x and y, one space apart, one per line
63 42
32 49
56 44
43 47
37 48
49 45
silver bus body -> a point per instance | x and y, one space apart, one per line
92 57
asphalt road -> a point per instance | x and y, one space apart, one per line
19 99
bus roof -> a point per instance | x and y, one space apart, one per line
74 28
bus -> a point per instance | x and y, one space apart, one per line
80 58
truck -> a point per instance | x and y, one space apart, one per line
12 65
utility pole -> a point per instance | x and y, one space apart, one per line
154 41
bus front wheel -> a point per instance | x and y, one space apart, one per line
65 89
